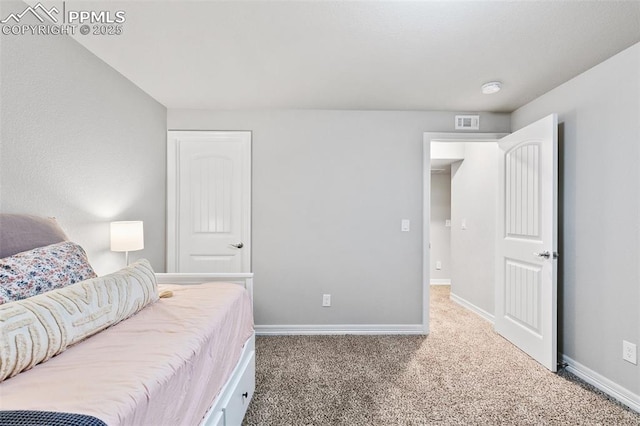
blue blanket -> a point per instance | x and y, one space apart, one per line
46 418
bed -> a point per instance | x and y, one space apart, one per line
182 360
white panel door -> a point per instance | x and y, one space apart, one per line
526 273
209 201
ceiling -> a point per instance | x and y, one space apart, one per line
389 55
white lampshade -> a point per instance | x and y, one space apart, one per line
127 236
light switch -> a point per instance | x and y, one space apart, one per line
447 223
464 223
406 225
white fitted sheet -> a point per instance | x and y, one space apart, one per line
163 366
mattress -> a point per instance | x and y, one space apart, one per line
163 366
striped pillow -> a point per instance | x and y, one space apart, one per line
35 329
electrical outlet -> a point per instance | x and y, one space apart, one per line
629 352
326 300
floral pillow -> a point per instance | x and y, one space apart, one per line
42 269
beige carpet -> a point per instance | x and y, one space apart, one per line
461 374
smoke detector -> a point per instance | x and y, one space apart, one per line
491 87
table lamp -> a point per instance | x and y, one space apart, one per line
127 236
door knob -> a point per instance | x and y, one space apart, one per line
238 246
544 254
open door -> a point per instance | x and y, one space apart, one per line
526 268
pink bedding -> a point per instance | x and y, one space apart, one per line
163 366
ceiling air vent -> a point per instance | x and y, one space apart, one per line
467 122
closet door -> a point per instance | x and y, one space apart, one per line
209 201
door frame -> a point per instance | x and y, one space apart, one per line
429 137
173 198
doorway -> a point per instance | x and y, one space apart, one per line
468 160
519 252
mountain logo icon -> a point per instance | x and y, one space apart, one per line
39 11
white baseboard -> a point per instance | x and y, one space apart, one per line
612 389
338 329
440 281
473 308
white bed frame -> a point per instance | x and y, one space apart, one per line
230 406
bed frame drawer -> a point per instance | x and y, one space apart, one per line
231 404
218 419
236 406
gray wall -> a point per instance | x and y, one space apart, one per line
80 142
599 112
473 199
440 234
329 191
